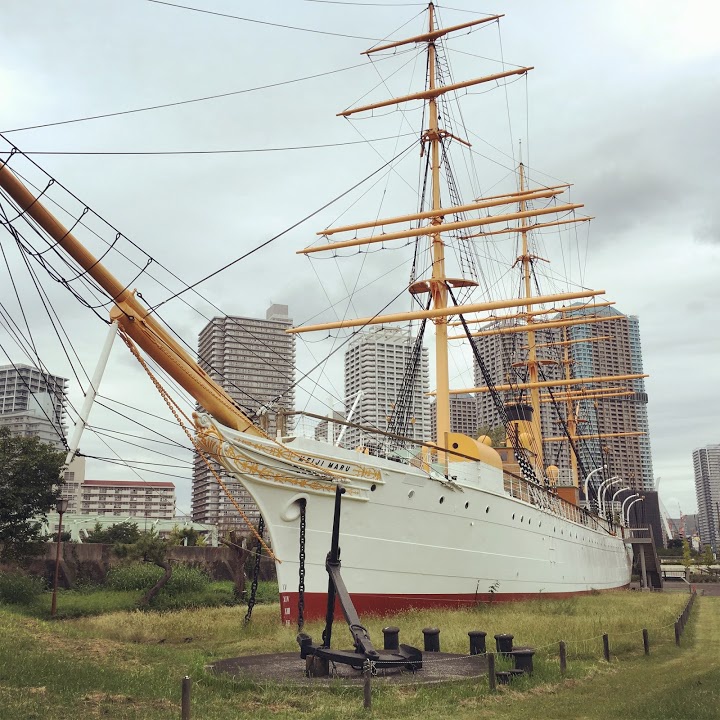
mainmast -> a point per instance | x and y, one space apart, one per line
438 283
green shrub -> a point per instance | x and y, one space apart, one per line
133 576
19 589
186 579
213 595
141 576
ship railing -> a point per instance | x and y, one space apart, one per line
534 494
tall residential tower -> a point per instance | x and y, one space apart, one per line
254 361
376 364
706 464
596 349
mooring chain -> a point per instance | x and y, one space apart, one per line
301 571
256 572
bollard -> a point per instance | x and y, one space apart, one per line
523 659
492 682
677 633
606 647
432 639
186 684
367 690
477 642
563 658
392 638
646 641
504 644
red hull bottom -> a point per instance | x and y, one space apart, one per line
368 604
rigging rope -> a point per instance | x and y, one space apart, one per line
176 411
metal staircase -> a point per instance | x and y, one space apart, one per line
645 556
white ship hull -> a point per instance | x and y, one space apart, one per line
408 537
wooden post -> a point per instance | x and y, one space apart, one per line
492 682
563 658
646 641
606 647
677 633
367 690
186 684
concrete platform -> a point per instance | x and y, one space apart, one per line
289 668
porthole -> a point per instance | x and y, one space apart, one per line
487 509
522 518
529 522
455 446
540 524
372 487
411 493
442 499
513 517
467 505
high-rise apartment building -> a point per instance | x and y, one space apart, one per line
618 353
32 403
376 364
504 357
706 464
254 360
463 416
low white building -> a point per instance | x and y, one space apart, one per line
128 498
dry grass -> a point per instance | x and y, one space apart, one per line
129 664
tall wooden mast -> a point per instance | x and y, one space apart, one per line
532 360
438 286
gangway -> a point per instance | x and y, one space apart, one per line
645 555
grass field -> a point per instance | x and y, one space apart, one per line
130 664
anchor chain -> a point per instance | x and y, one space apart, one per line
256 572
301 571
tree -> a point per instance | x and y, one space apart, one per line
708 559
149 547
29 478
686 556
124 533
186 536
495 433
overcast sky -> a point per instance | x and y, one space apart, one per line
623 103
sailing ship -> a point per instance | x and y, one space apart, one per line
448 521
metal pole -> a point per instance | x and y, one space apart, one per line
90 394
601 495
348 418
643 569
53 604
624 503
186 685
563 658
640 499
587 480
646 641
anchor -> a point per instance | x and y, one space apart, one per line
318 656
